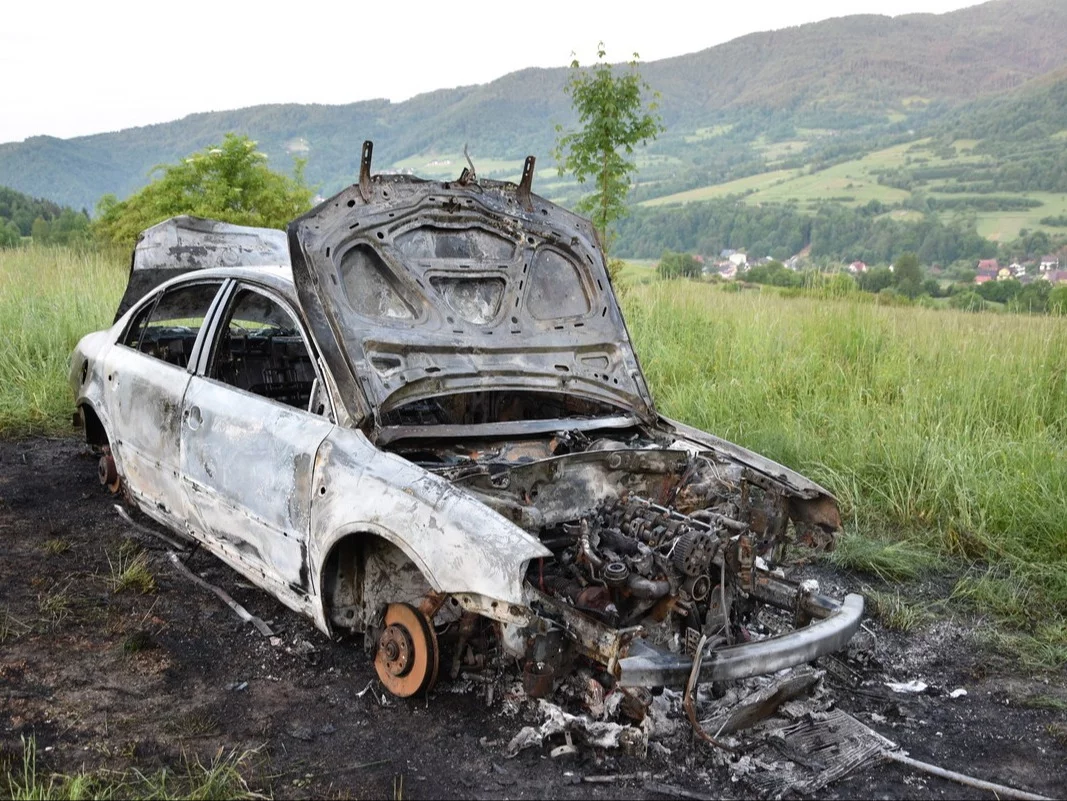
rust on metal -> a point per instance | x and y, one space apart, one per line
364 171
523 194
407 656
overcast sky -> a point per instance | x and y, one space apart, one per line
73 68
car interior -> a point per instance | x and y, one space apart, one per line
260 349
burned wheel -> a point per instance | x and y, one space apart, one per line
108 473
407 655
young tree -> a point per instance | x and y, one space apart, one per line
908 275
614 117
229 182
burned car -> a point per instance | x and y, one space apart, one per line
420 409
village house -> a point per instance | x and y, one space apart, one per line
1049 263
857 267
1056 276
988 269
738 259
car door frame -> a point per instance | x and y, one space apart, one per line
153 482
261 528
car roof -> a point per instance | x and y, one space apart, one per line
278 277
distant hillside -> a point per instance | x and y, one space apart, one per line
986 173
731 110
23 210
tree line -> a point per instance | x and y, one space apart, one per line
24 216
834 232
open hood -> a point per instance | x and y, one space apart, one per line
432 288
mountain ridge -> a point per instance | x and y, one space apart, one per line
848 74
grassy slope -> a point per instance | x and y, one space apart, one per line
857 180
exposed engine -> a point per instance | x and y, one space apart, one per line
637 562
643 533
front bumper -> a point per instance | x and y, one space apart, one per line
649 667
635 663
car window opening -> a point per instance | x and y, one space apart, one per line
261 350
167 330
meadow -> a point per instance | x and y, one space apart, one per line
49 299
943 434
855 183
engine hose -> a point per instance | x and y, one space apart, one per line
640 587
587 552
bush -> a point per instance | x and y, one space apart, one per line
1057 300
967 301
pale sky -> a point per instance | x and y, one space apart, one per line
74 68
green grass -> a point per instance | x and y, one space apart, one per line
223 776
740 186
49 298
895 612
1004 226
708 133
1052 702
638 271
943 434
129 571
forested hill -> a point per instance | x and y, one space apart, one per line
847 75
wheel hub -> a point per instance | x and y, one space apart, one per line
396 649
108 473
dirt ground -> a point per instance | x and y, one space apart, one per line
118 679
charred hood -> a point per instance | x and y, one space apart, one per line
431 288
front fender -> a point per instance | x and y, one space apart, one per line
459 544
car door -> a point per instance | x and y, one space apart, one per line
147 374
252 424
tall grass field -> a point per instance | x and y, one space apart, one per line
49 299
943 433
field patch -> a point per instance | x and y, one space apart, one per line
49 299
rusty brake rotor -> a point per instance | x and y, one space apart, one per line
108 473
407 655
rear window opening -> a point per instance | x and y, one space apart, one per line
479 408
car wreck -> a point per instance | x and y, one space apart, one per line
418 410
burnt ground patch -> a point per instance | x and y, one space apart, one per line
117 679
